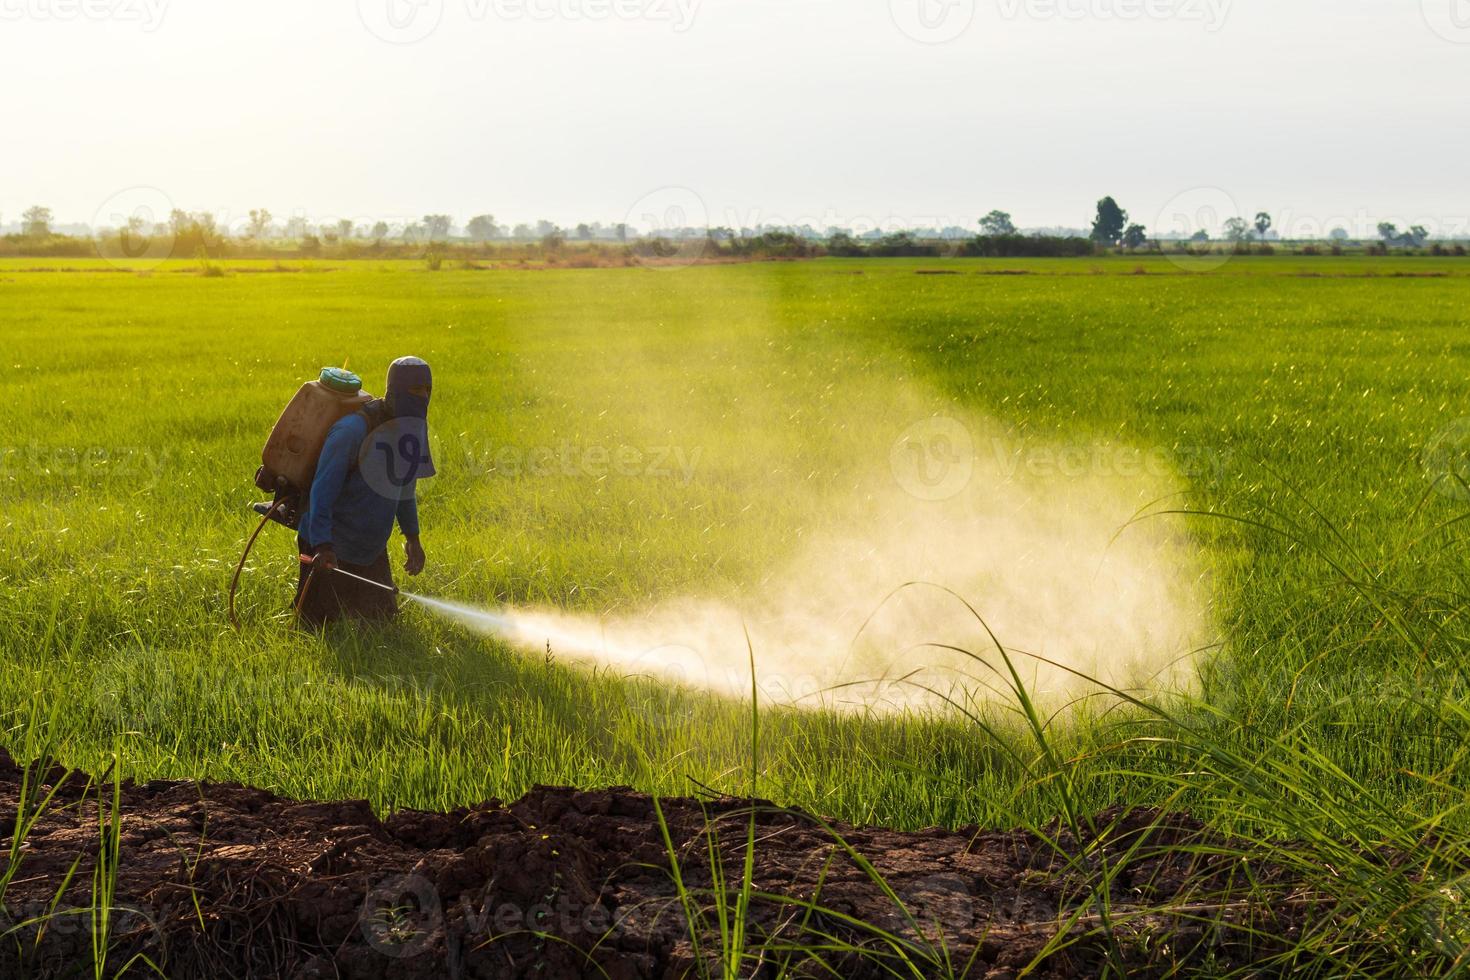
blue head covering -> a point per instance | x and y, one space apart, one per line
403 374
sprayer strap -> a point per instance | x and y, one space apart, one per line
374 414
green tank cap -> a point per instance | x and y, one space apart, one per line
340 379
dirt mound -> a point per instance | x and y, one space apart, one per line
220 880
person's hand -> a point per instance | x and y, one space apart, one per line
414 553
326 557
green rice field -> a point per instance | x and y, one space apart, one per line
609 439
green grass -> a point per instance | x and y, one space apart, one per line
137 404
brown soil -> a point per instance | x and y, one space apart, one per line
219 880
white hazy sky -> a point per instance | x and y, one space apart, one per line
824 111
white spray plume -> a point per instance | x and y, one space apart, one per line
1049 555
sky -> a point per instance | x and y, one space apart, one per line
851 113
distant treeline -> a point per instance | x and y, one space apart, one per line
197 234
195 242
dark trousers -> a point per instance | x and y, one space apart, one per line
330 596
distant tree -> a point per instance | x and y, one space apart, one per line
1237 230
584 232
841 243
344 228
553 239
1338 234
36 221
437 226
544 228
522 232
1263 224
1415 237
1134 237
482 227
620 230
296 227
328 233
259 223
997 223
183 221
380 230
192 232
1107 227
900 244
1200 236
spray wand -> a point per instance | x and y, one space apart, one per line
310 562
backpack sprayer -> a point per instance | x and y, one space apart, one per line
289 460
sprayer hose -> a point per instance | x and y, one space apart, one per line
235 582
306 589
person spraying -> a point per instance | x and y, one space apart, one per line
366 482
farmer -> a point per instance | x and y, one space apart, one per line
365 481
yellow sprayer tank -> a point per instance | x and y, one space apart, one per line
295 443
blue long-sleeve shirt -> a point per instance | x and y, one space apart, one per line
348 511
